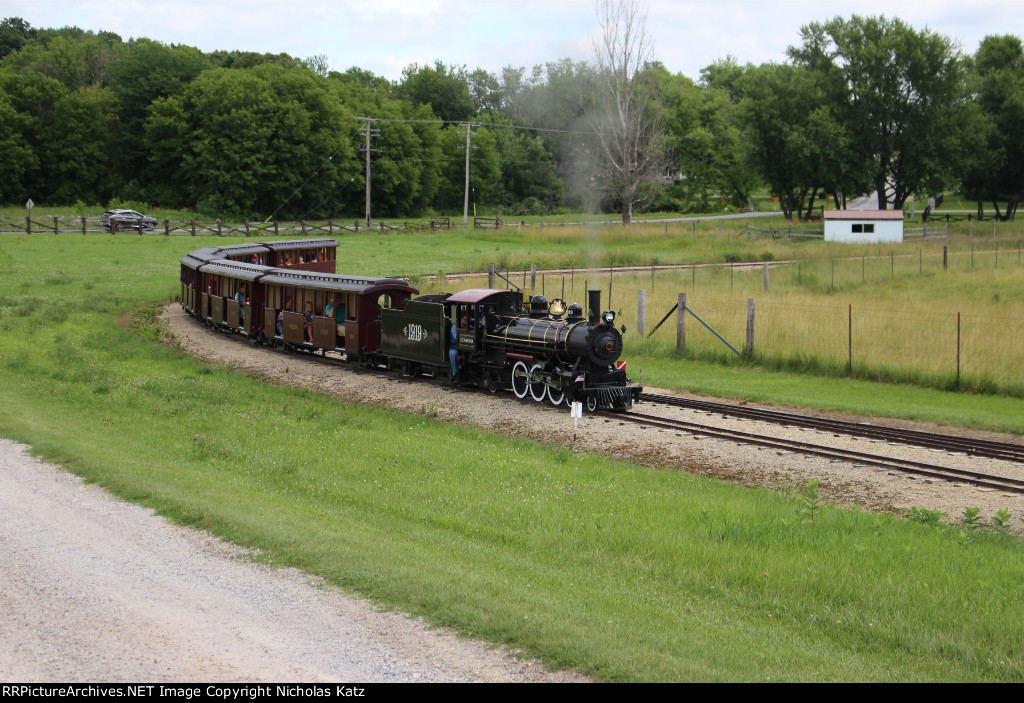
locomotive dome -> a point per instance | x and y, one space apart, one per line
538 305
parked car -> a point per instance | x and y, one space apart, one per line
127 219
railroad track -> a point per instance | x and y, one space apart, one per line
1005 451
890 464
861 459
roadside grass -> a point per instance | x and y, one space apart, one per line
624 572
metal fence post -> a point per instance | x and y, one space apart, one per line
849 339
681 323
641 311
958 350
750 326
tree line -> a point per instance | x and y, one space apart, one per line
862 105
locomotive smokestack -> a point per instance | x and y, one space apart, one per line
594 303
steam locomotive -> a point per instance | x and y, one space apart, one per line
286 294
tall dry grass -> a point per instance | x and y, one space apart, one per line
885 312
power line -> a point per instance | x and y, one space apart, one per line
338 190
304 183
481 124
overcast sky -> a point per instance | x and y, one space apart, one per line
384 36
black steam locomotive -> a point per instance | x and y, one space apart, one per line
286 294
489 339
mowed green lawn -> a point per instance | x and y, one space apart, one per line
623 572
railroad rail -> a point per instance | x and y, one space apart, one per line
1005 451
945 473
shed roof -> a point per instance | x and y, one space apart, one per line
863 215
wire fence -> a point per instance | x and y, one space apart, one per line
914 317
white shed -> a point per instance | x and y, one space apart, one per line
863 226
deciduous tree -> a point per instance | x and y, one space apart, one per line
997 172
902 95
444 88
795 137
631 132
240 141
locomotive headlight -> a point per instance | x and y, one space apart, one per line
609 316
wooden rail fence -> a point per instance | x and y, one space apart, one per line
302 228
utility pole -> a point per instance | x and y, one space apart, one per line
465 203
368 131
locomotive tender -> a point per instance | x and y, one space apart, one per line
279 294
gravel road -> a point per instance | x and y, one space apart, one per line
96 589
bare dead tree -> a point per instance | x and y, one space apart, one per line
631 133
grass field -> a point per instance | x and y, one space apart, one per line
624 572
943 314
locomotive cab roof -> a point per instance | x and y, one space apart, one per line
477 295
504 301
